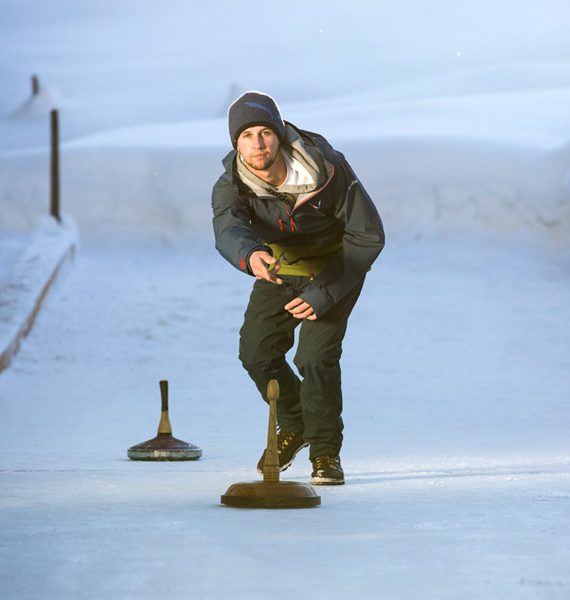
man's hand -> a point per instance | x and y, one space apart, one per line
264 266
300 309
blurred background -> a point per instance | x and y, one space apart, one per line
455 114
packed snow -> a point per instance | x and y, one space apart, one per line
456 117
27 276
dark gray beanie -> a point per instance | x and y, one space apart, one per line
254 108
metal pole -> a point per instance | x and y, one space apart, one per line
54 208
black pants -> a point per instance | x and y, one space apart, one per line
312 404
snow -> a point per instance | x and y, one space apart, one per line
27 275
455 368
492 161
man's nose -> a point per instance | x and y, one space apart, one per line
259 141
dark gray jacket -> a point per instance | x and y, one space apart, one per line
341 211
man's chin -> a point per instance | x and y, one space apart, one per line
261 164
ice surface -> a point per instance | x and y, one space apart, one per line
456 447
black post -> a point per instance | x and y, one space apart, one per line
54 209
35 85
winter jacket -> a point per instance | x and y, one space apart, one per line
341 212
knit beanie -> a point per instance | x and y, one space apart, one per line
254 108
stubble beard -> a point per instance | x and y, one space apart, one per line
261 164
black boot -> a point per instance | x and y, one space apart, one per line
327 471
288 444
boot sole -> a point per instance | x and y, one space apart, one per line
326 481
287 465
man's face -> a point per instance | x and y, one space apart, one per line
259 146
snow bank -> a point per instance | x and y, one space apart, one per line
492 163
28 280
445 185
455 116
134 189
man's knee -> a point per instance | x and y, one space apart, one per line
249 353
256 357
309 360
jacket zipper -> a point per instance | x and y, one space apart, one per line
291 221
290 213
316 191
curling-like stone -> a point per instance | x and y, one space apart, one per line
164 446
271 493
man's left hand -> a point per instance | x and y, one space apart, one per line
300 309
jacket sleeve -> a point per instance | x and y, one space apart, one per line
235 238
363 241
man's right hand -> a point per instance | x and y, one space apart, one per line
259 263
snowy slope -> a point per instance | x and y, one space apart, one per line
456 116
468 163
126 63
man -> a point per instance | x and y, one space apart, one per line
290 211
